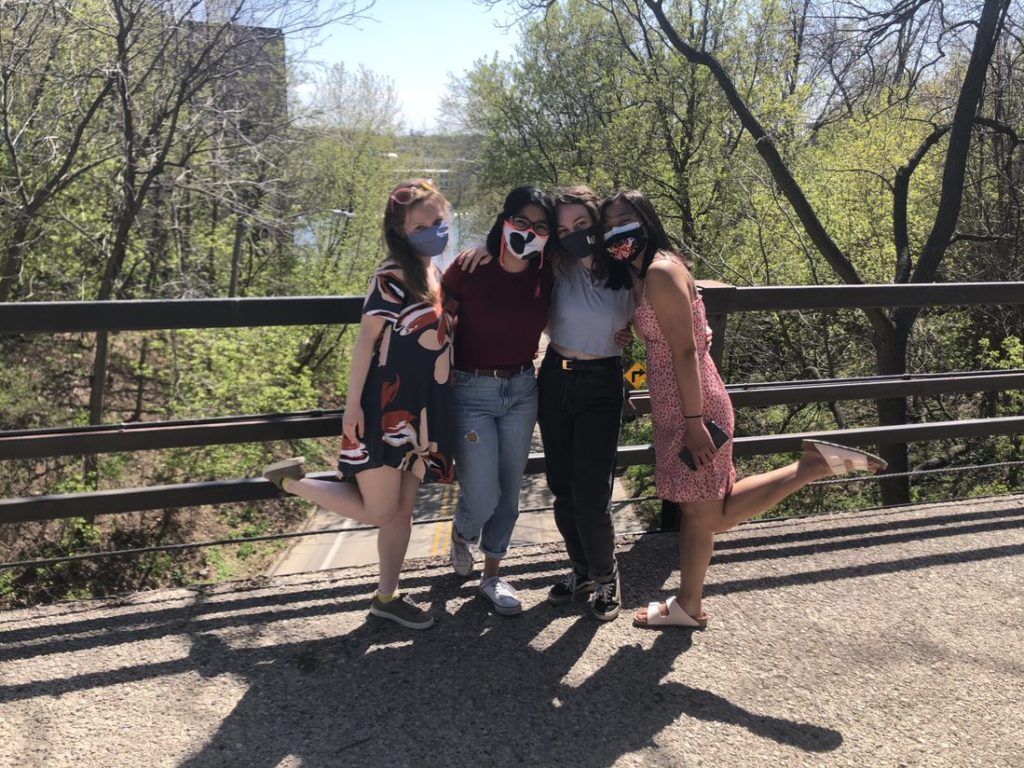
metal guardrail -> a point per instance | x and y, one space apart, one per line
148 436
97 503
167 314
219 313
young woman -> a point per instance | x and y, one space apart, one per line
688 403
581 395
396 429
580 402
500 309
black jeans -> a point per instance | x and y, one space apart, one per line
579 414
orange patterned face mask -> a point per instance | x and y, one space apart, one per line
623 243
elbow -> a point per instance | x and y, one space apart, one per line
684 351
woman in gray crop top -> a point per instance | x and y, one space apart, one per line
581 392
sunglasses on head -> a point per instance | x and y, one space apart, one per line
406 193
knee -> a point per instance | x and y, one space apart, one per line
702 517
398 517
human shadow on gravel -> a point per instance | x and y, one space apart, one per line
647 567
650 567
478 689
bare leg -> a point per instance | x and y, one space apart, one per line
696 545
750 497
758 493
491 565
374 500
393 536
385 497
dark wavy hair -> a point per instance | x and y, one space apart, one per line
617 274
397 244
515 201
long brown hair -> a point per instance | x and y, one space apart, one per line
400 202
577 194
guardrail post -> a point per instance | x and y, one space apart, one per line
718 300
718 326
671 516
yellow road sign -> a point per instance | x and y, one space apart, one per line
636 376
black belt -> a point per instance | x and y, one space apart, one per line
598 364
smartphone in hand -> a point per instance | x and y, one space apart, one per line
718 436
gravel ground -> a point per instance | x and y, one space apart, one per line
884 638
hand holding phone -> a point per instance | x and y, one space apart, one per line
719 437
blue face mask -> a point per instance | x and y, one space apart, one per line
431 241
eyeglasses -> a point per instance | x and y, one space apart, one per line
406 193
522 224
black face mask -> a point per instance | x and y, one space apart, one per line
580 244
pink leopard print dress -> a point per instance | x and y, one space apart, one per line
674 480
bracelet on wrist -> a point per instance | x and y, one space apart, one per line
698 416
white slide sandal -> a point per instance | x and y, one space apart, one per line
842 460
676 616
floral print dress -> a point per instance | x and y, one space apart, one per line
406 398
674 480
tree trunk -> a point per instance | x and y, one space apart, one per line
891 358
13 257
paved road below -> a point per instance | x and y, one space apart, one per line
536 525
889 638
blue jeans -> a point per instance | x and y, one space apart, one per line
493 420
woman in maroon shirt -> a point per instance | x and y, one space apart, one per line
501 309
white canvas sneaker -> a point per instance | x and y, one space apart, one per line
498 591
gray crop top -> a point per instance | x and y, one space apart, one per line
584 316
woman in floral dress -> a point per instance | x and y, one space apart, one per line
396 422
687 392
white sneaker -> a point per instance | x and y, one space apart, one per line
498 591
460 555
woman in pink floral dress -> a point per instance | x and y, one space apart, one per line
396 429
686 393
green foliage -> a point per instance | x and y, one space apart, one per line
291 205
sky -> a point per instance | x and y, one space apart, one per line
417 43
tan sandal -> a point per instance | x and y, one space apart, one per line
676 617
842 460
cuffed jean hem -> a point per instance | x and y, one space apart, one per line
476 542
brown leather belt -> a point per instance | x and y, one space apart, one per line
499 373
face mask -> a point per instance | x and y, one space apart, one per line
625 242
579 244
523 244
431 241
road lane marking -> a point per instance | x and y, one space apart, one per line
338 537
443 532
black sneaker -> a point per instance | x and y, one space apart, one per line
572 587
606 604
